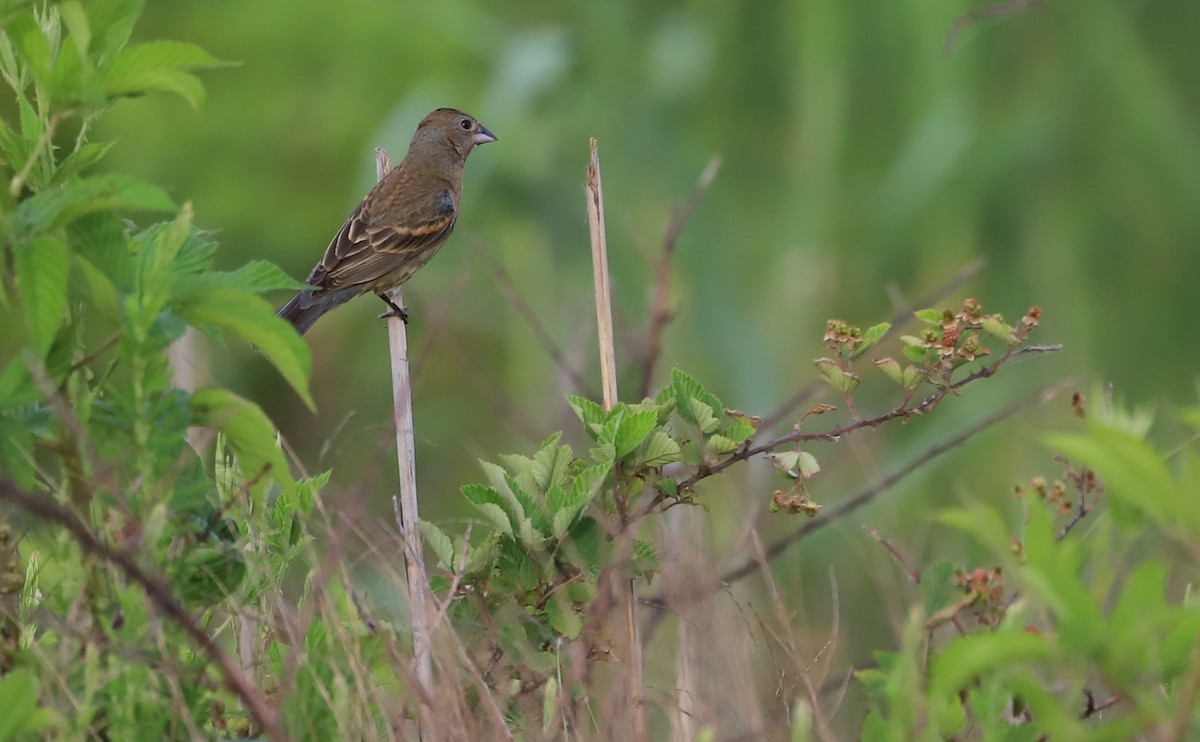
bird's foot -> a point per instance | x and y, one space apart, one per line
394 310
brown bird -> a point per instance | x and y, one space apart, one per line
399 226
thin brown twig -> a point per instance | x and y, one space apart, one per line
661 312
865 496
798 435
984 12
161 596
899 319
870 493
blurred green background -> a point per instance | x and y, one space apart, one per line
863 164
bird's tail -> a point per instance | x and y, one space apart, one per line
306 307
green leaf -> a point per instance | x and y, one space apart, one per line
937 587
250 434
41 269
56 207
929 316
981 654
719 444
694 403
1135 477
590 413
22 715
659 449
491 505
839 379
16 384
998 328
101 295
112 21
85 157
549 464
159 66
440 543
254 319
586 546
565 504
698 412
872 335
254 277
31 45
645 560
633 430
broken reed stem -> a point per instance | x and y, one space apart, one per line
608 383
404 504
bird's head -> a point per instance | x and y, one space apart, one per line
460 131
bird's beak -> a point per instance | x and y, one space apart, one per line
483 136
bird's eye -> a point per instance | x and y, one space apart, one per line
466 124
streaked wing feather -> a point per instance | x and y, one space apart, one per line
361 253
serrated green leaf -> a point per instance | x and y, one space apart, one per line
839 379
562 617
700 413
250 435
85 157
739 432
694 403
56 207
441 545
41 270
159 66
565 505
929 316
254 319
645 560
549 465
632 430
591 414
659 449
525 506
111 22
873 335
585 545
995 326
492 505
719 444
891 367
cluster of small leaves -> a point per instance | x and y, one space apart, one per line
848 342
89 414
952 340
1088 624
556 521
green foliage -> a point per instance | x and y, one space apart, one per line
1091 628
91 419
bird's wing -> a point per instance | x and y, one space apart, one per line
363 252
